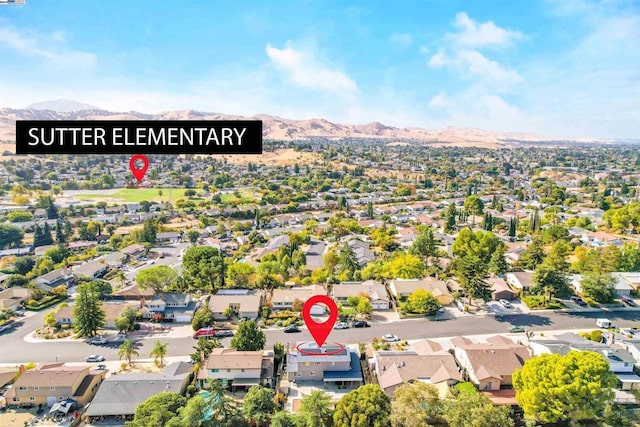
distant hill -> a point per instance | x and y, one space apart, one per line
277 128
62 106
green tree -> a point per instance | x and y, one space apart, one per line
50 319
533 255
248 337
347 261
471 272
364 306
424 245
16 280
149 231
126 320
481 244
127 350
552 388
241 275
258 406
24 264
87 312
403 266
450 218
421 302
158 410
285 419
203 268
10 236
157 278
159 352
316 409
473 205
366 406
498 264
600 287
416 405
193 236
223 410
203 349
203 318
19 216
477 410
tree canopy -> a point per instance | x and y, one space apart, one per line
366 406
158 278
552 388
248 337
203 268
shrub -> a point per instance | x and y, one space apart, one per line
596 335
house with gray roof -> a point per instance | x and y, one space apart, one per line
119 395
331 363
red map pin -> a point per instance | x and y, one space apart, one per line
320 331
139 173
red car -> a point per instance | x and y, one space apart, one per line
205 333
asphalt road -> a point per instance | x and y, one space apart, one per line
13 348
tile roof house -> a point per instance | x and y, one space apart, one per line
64 316
283 299
245 302
395 368
500 289
13 298
174 307
375 291
402 288
92 269
48 384
132 292
119 395
490 365
520 280
239 369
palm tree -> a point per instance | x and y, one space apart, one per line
127 350
159 352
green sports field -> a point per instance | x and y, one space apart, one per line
130 195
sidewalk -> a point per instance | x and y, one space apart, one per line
178 331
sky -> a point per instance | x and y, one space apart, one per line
566 68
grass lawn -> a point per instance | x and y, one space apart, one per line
136 195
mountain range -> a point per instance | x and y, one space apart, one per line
277 128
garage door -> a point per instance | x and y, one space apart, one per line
183 319
380 306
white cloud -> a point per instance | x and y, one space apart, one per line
46 47
438 60
476 34
476 64
303 69
438 101
402 40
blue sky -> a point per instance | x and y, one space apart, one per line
565 68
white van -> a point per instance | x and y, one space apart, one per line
604 323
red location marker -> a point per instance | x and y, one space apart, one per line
139 173
320 331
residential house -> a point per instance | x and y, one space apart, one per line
115 259
283 299
14 298
135 250
177 308
521 280
375 291
402 288
406 236
631 279
395 368
500 289
168 237
597 239
48 384
362 251
620 358
621 286
244 302
239 369
132 292
93 269
119 395
331 363
490 365
64 315
52 279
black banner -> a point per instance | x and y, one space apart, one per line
138 137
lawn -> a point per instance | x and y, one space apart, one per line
136 195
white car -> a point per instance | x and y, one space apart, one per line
98 341
505 303
94 358
390 338
341 325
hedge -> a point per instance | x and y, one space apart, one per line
47 302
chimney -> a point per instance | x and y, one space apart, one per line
21 370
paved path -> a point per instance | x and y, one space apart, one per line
16 350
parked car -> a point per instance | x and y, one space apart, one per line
505 303
94 358
341 325
224 333
514 329
98 341
390 338
579 301
290 329
101 368
19 313
628 301
205 333
360 324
